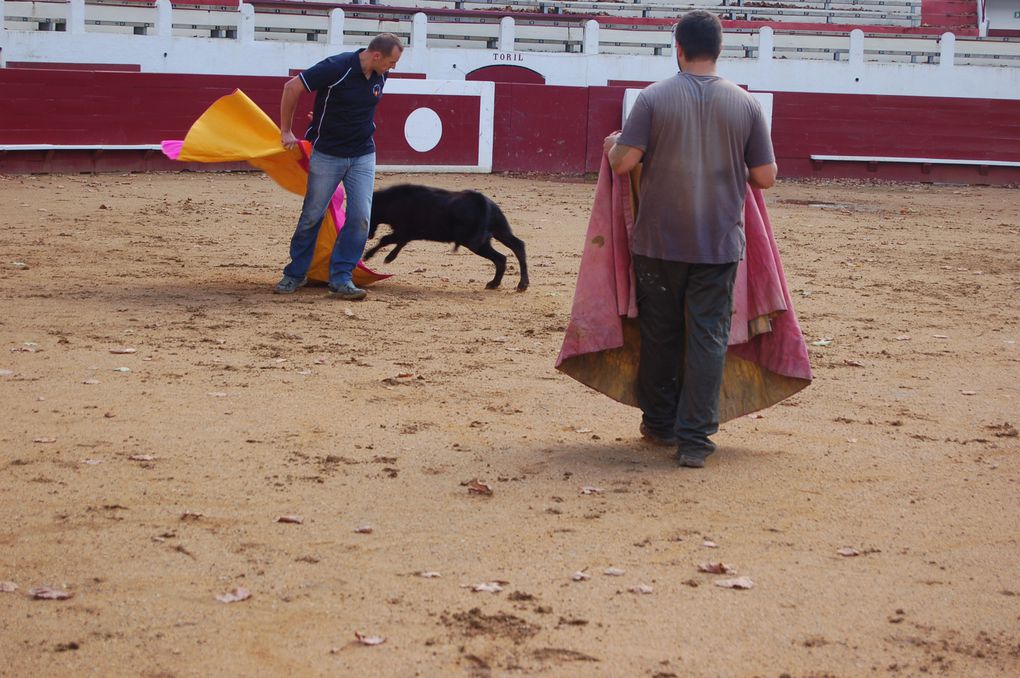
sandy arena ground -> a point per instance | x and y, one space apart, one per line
241 406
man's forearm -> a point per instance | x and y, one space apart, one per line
287 107
763 176
623 159
288 103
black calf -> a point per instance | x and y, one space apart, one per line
465 218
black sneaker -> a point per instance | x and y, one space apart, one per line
693 458
289 285
661 440
692 462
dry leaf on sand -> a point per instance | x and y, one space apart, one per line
369 640
716 568
234 595
485 587
47 593
476 486
738 583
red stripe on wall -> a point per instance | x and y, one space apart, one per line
635 84
54 65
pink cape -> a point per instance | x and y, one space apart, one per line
767 359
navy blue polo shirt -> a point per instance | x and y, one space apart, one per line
345 101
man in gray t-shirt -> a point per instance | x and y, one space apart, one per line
701 140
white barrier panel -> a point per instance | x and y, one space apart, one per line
429 125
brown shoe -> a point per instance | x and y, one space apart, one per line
657 439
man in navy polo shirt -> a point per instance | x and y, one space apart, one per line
347 89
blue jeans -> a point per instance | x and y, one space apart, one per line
325 173
684 313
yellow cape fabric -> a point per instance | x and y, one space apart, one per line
235 129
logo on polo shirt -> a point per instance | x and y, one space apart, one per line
376 90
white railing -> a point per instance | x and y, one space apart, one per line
482 30
585 52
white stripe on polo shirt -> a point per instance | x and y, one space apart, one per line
325 103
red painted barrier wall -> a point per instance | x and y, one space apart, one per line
101 107
458 144
540 128
605 114
805 124
506 74
104 107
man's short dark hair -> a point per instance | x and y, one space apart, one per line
699 34
384 44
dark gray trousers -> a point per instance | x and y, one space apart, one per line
684 315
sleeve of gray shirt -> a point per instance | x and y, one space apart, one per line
638 125
758 150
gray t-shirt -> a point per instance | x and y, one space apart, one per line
699 134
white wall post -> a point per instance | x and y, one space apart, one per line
766 43
164 18
76 17
590 44
982 20
507 34
947 50
420 30
335 36
246 23
857 47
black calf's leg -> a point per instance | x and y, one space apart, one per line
486 250
396 250
387 239
516 246
501 232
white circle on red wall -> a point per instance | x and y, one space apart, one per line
423 129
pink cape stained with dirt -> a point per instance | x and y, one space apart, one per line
601 344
